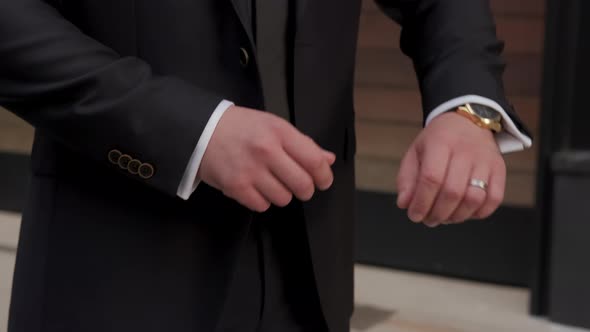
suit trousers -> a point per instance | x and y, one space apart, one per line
273 289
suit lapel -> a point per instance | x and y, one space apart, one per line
244 10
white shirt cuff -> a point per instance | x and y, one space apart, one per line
189 181
509 140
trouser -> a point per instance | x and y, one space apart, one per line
273 289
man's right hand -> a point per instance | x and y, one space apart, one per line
259 159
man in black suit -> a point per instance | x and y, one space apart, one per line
164 199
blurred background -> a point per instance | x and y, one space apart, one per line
525 269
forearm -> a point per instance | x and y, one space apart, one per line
93 100
456 53
454 48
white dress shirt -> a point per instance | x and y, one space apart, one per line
509 140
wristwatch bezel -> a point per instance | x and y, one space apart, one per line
481 120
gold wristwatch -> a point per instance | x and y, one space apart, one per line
483 116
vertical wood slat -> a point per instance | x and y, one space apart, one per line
15 134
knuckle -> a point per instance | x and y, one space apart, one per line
496 199
309 139
422 206
499 163
453 193
263 147
278 125
316 162
473 200
430 179
238 185
401 182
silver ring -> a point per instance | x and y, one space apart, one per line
481 184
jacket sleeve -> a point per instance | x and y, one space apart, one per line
455 50
94 101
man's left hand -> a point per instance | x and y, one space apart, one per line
434 178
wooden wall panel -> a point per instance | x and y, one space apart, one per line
15 134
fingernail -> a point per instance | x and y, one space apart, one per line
416 217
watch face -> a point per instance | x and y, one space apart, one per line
486 112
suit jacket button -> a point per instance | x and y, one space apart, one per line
124 161
133 166
146 171
244 57
114 156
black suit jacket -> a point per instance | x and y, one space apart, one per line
103 249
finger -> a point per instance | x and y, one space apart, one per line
252 199
330 157
293 176
406 178
431 223
453 190
434 162
496 191
474 197
273 190
311 157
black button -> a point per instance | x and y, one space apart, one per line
124 161
133 166
146 171
244 57
114 156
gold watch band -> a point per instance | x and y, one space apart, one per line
467 112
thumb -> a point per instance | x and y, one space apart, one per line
407 177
